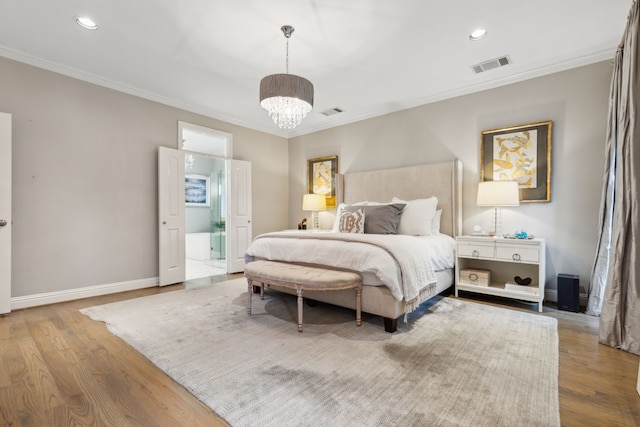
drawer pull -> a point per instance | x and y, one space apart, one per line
475 253
515 257
473 276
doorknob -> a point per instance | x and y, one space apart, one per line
3 222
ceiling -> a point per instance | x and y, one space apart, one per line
366 57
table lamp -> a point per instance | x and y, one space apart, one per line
314 203
497 194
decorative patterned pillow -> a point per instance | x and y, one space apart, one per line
341 206
352 222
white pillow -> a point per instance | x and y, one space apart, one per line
435 222
352 222
336 223
417 216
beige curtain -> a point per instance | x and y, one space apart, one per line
615 280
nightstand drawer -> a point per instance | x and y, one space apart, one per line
518 254
476 250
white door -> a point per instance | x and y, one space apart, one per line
172 260
5 213
239 230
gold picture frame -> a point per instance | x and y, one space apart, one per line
519 153
321 177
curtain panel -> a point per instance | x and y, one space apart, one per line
615 281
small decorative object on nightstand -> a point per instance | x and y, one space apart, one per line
302 225
510 262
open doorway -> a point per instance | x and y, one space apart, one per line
206 197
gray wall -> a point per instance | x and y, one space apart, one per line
576 101
85 179
85 169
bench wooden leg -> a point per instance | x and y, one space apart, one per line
249 285
300 305
359 306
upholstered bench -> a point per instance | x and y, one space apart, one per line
299 278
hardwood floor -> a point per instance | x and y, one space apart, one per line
60 368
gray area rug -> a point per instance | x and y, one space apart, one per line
455 363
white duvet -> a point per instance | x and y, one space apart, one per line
405 264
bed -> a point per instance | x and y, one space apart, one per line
394 272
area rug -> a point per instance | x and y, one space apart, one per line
454 363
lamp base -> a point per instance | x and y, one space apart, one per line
315 221
497 219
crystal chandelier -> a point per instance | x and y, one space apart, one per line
288 98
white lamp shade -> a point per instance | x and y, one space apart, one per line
498 193
314 202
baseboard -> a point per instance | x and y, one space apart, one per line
79 293
552 295
18 303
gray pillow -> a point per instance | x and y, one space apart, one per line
380 219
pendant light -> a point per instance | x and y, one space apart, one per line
288 98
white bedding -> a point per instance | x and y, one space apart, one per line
382 259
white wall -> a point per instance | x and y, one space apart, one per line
85 179
576 101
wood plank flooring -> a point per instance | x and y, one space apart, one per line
60 368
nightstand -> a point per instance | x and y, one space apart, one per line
501 260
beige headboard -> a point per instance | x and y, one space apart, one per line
443 180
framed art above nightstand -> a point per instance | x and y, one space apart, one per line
519 153
512 268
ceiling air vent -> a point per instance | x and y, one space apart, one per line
332 111
491 64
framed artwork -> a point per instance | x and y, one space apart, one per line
196 190
519 153
321 177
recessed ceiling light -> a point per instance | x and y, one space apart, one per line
87 23
478 34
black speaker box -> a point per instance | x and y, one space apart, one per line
569 292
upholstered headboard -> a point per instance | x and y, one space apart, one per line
443 180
